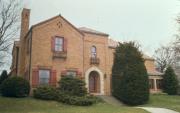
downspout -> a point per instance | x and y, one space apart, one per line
30 54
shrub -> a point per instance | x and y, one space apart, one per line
72 86
76 100
129 76
170 82
15 87
3 76
45 93
72 91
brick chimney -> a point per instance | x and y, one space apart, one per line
25 15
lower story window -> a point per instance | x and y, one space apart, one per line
151 83
71 73
159 83
44 76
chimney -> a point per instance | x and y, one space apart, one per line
25 15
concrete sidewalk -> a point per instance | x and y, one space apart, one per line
157 110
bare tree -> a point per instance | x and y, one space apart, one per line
164 57
176 43
9 26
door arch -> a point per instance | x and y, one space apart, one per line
101 79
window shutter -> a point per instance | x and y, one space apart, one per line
65 45
52 80
35 78
53 44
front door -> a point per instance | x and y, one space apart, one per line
94 82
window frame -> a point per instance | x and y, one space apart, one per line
40 77
59 37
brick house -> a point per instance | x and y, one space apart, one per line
54 48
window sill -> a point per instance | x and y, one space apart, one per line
60 55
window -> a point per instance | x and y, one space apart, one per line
93 52
159 83
58 44
44 76
71 73
151 83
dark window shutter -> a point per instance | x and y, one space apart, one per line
65 45
52 80
35 78
53 44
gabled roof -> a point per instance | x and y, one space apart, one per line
48 20
92 31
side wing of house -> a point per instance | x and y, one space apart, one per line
15 58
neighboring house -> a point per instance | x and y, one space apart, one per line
55 48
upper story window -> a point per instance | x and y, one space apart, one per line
93 52
58 44
44 76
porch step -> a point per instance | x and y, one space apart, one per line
111 100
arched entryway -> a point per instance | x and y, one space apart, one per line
94 82
96 77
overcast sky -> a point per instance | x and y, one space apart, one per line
150 22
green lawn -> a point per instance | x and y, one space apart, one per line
30 105
164 101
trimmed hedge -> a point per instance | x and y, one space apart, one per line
15 87
72 86
72 91
45 93
75 100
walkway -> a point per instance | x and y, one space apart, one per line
157 110
113 101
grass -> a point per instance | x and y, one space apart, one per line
30 105
164 101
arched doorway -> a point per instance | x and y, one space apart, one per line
100 75
94 82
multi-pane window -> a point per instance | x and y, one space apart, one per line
93 52
58 44
159 83
44 77
71 73
151 83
